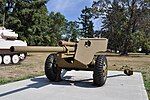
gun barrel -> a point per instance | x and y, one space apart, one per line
62 43
40 49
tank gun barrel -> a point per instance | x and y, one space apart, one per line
65 43
40 49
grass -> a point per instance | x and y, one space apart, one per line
33 66
12 79
147 83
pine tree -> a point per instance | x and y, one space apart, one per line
86 22
121 19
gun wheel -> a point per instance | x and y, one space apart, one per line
100 70
52 72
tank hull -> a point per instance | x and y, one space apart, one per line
7 57
8 38
6 44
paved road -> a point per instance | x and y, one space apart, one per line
77 86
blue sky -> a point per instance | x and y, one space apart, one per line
71 9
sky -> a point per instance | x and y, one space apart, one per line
71 9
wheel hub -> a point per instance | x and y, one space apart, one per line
7 59
15 59
104 70
1 59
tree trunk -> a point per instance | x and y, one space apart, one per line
146 52
125 51
125 47
129 26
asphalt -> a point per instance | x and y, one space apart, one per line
77 85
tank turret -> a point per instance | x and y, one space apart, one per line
8 38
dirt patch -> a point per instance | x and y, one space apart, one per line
32 66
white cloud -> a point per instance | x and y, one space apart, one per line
96 0
62 5
70 8
65 5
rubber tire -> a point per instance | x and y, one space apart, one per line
1 59
5 62
128 72
51 70
98 75
25 54
13 61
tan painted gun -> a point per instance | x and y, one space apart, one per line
84 55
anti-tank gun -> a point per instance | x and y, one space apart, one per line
87 54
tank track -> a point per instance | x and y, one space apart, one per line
11 58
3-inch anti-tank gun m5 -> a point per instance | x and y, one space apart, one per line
87 54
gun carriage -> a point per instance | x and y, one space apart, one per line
87 54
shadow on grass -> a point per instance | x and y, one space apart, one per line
41 82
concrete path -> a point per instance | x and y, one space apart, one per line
77 86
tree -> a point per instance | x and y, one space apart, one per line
57 25
121 19
5 7
19 16
144 27
86 22
30 19
112 25
72 31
